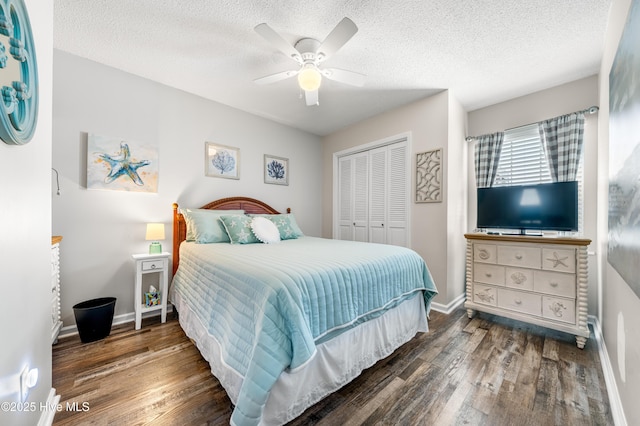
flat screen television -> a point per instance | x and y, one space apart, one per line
542 207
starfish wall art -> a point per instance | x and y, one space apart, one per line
121 165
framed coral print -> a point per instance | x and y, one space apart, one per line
222 161
429 176
276 170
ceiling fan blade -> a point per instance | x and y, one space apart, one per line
311 97
277 41
341 34
275 77
344 76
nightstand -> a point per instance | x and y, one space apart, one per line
157 263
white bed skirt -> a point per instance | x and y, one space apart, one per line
336 362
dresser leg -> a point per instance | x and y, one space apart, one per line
581 341
471 313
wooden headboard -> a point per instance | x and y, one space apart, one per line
249 205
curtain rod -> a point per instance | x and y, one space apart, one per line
590 110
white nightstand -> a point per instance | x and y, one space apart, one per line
151 264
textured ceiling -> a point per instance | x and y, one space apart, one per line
484 51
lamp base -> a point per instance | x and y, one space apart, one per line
155 248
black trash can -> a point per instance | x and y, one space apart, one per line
94 318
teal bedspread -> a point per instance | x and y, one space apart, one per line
268 305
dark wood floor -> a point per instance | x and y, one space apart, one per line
485 371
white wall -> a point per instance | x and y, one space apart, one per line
433 235
101 229
620 305
536 107
25 229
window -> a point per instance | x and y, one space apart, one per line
523 162
522 158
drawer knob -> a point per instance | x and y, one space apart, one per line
488 274
553 284
519 256
518 302
153 266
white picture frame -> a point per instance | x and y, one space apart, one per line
276 170
222 161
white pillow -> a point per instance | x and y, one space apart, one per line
265 230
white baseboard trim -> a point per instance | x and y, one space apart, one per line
47 415
615 403
70 330
451 306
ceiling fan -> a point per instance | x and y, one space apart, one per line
309 54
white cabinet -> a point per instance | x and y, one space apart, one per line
56 321
373 195
151 264
538 280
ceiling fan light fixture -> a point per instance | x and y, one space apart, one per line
309 78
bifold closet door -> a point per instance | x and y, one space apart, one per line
353 178
373 199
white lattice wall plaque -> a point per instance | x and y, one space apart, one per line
429 176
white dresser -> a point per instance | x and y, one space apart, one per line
56 322
539 280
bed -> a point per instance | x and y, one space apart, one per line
284 324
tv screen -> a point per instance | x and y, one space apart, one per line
547 206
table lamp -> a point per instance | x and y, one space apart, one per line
155 232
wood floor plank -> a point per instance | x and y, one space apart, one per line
482 371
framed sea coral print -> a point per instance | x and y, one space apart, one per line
121 165
276 170
222 161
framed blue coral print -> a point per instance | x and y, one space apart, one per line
222 161
276 170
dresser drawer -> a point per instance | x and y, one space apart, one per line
559 309
558 260
519 301
526 257
151 265
555 283
488 274
519 278
485 294
485 253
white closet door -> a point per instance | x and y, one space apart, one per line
398 198
373 199
378 195
353 202
345 205
360 199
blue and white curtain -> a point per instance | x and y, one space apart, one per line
562 140
487 156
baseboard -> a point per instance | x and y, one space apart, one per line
451 306
70 330
47 415
615 403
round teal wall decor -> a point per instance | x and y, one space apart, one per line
18 74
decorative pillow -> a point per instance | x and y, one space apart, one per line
265 230
286 224
238 229
204 226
